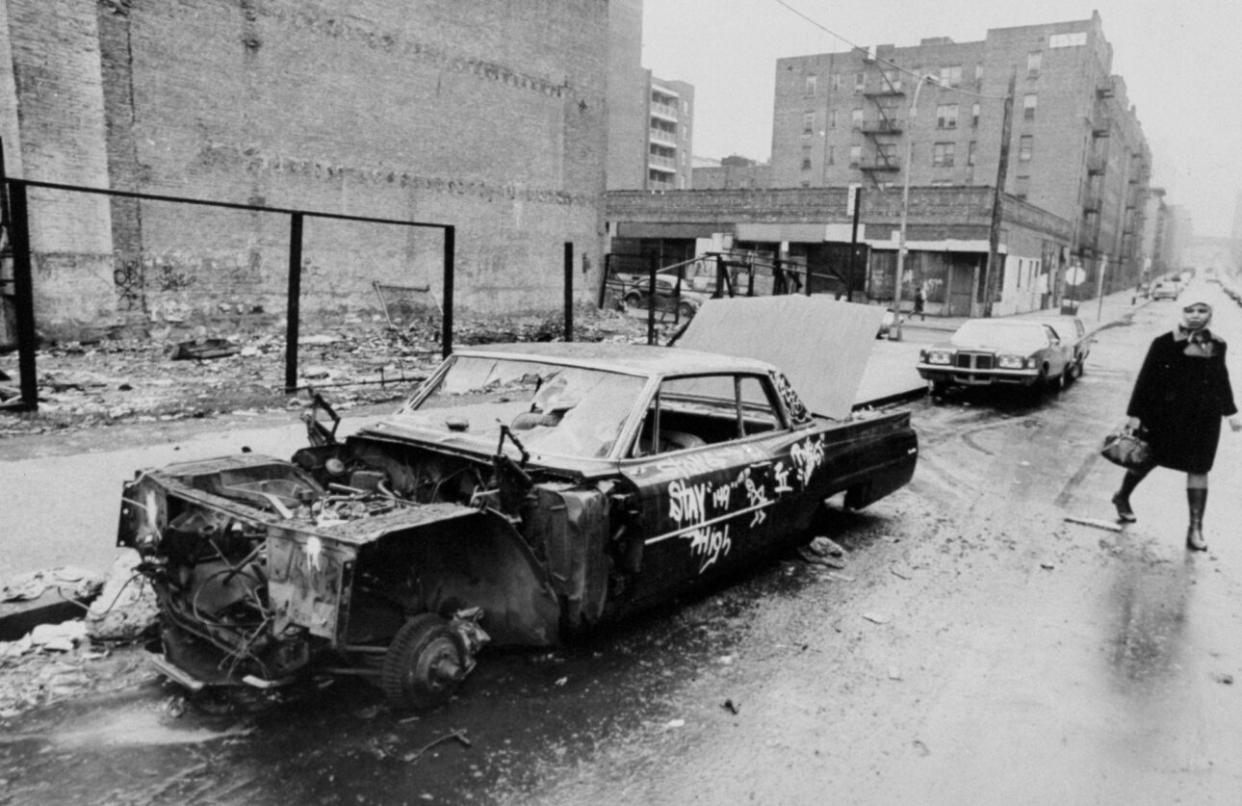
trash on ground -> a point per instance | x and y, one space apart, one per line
1096 522
876 618
126 608
203 349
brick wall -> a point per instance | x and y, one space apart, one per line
485 115
58 137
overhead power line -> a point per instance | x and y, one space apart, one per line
866 53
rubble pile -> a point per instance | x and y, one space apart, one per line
170 377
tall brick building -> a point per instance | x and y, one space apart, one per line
1076 151
487 116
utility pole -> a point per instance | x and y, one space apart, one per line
1002 168
856 203
905 192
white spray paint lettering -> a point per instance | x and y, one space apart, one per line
807 457
709 544
687 502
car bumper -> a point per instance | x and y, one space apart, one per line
977 377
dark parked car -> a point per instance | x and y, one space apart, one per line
525 493
999 352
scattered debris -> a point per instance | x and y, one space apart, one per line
675 723
127 607
822 551
561 681
1224 679
73 583
894 673
875 618
898 574
458 735
1096 522
1047 566
730 706
204 349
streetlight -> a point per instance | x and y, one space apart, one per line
905 191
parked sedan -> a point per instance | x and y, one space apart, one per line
999 352
1166 289
670 296
526 492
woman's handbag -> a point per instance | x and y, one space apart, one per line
1127 448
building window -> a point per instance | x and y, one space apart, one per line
855 156
806 158
834 81
806 183
856 119
979 71
1026 144
1034 61
892 80
810 85
832 118
970 153
860 82
808 123
1022 186
946 116
1028 106
951 76
974 116
942 154
831 157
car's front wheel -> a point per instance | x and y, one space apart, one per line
633 300
423 664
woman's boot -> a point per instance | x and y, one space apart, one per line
1121 499
1197 498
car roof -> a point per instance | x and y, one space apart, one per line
631 359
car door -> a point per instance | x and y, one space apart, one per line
715 478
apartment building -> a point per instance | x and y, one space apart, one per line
932 115
670 134
733 171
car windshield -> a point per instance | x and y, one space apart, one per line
1012 336
554 409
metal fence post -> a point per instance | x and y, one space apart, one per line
569 291
446 330
293 303
23 295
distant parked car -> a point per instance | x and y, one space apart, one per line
1166 289
890 326
669 297
999 352
1073 334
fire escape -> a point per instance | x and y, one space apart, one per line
1093 207
884 127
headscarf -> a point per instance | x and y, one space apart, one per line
1198 339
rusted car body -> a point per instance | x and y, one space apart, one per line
525 492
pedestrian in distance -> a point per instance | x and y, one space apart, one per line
1181 395
919 299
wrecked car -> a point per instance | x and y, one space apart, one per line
525 493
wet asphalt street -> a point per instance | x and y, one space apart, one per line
978 648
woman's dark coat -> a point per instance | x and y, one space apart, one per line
1180 400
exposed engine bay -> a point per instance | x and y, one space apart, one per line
385 559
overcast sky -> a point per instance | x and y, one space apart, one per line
1181 61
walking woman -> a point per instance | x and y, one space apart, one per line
1181 394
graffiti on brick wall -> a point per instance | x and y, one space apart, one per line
369 35
128 279
218 155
